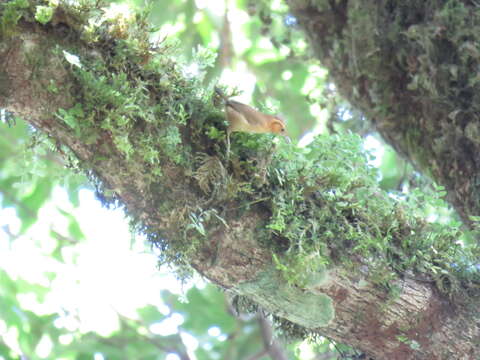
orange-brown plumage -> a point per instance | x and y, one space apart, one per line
242 117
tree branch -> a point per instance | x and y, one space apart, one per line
407 68
143 132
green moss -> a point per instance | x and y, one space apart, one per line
121 106
151 114
327 206
328 211
304 274
10 13
43 14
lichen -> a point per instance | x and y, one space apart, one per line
271 292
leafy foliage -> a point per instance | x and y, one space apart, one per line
31 326
321 197
327 204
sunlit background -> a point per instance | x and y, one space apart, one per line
76 284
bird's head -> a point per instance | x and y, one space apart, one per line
277 126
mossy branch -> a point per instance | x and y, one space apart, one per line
411 68
298 231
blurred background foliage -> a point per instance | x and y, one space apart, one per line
74 282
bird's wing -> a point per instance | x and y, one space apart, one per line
250 114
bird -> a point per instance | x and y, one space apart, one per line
244 118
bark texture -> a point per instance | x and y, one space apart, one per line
412 68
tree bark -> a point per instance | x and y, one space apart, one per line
411 67
419 322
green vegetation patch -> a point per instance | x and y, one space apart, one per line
10 13
323 202
327 209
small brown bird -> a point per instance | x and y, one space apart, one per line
242 117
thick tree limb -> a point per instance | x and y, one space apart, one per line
411 67
348 306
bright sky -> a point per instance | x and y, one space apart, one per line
105 274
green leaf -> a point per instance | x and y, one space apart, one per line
150 314
33 202
43 14
204 309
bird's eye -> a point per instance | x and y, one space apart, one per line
283 129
